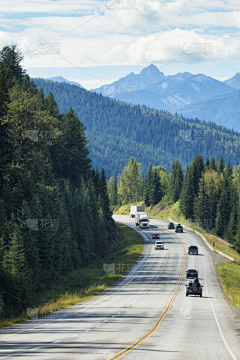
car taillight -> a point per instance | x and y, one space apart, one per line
187 287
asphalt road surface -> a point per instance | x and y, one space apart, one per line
145 316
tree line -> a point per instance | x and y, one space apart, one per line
52 201
208 192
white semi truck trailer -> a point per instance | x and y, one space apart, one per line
141 220
134 209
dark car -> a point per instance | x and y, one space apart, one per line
191 273
155 236
193 250
171 225
179 228
194 288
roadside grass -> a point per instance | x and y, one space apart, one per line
229 274
83 284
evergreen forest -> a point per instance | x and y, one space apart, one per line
52 201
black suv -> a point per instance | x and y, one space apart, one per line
171 225
193 250
194 288
179 228
191 273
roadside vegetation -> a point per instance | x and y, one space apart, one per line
82 284
229 274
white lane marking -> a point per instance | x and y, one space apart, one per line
55 342
73 336
214 314
105 320
87 330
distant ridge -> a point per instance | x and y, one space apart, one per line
61 79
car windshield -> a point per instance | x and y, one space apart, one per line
155 234
193 247
192 271
158 242
144 220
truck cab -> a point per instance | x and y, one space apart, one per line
141 220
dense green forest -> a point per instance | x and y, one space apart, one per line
121 130
52 201
209 193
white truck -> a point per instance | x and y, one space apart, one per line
141 220
134 209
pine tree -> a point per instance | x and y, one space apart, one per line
213 165
207 164
232 226
12 57
112 191
201 207
220 166
187 196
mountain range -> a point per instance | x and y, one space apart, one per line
193 96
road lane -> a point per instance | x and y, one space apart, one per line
108 323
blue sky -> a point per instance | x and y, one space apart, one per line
97 42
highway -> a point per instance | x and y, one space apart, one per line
145 316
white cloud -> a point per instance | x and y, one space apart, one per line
94 35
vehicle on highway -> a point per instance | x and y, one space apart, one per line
171 226
155 236
179 228
134 209
191 273
159 245
141 220
193 250
194 288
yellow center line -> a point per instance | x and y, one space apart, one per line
159 320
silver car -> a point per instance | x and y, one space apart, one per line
159 245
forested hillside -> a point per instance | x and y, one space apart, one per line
123 130
52 201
